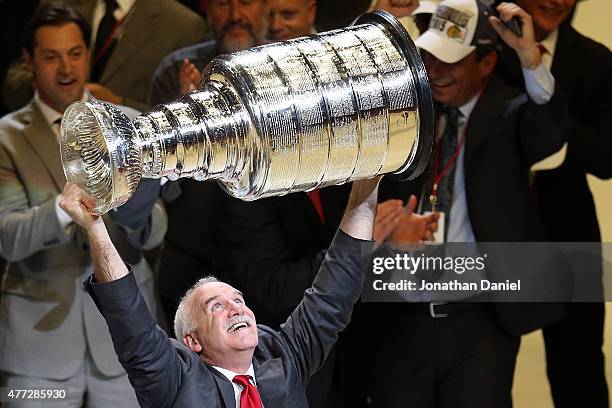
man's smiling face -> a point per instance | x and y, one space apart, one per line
224 324
455 84
60 64
546 14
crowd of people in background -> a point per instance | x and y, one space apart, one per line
521 120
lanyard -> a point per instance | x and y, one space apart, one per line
439 175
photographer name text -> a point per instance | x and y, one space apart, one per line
454 285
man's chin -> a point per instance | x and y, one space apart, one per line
238 43
441 97
245 345
63 104
548 24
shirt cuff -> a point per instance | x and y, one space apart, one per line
64 219
539 83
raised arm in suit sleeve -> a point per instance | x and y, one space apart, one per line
326 308
25 229
154 366
587 92
543 127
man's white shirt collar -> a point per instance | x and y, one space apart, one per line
229 374
237 388
50 114
467 108
124 7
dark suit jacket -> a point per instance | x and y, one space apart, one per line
166 374
582 69
506 134
273 247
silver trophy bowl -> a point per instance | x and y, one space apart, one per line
297 115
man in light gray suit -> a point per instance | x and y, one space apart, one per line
147 30
51 335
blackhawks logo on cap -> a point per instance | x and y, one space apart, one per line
454 32
452 22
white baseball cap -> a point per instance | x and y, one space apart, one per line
457 27
426 7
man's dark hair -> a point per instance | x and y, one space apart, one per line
483 51
53 14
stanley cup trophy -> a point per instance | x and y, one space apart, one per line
292 116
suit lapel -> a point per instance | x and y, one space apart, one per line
226 389
43 141
487 111
139 28
561 66
271 382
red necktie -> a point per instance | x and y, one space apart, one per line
315 197
250 396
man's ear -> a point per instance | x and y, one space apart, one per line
487 64
28 59
312 10
192 343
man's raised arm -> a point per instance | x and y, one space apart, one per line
326 308
107 263
358 220
145 352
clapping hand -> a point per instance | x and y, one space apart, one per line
415 228
388 214
189 77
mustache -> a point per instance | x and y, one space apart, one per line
237 319
237 24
